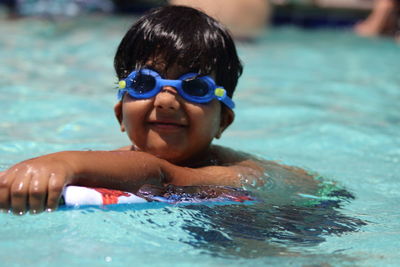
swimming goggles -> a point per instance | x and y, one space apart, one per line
146 83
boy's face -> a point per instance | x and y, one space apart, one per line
170 127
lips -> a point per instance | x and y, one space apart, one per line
167 124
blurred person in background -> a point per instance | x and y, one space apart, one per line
383 20
246 19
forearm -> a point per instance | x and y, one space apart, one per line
129 170
211 175
122 170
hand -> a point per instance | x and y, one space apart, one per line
34 184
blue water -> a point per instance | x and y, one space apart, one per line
326 101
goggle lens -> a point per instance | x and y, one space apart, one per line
195 87
143 83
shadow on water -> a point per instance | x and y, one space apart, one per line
261 229
264 228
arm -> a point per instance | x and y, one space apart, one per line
236 174
37 183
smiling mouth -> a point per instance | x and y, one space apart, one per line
167 125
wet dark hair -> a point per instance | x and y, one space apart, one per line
184 36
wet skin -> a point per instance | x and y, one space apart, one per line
170 127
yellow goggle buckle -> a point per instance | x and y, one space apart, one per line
121 84
219 92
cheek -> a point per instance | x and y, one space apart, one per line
133 113
208 120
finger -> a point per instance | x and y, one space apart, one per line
37 193
55 187
6 180
19 193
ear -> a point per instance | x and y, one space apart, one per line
118 114
227 117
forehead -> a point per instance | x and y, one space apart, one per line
173 70
170 71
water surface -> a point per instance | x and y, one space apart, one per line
326 101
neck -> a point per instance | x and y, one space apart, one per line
207 157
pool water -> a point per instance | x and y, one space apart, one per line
326 101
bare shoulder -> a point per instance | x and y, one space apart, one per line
247 168
257 171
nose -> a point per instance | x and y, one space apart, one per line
167 98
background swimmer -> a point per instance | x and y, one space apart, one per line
246 19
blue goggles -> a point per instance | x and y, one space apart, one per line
146 83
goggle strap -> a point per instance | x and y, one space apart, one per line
120 94
221 95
